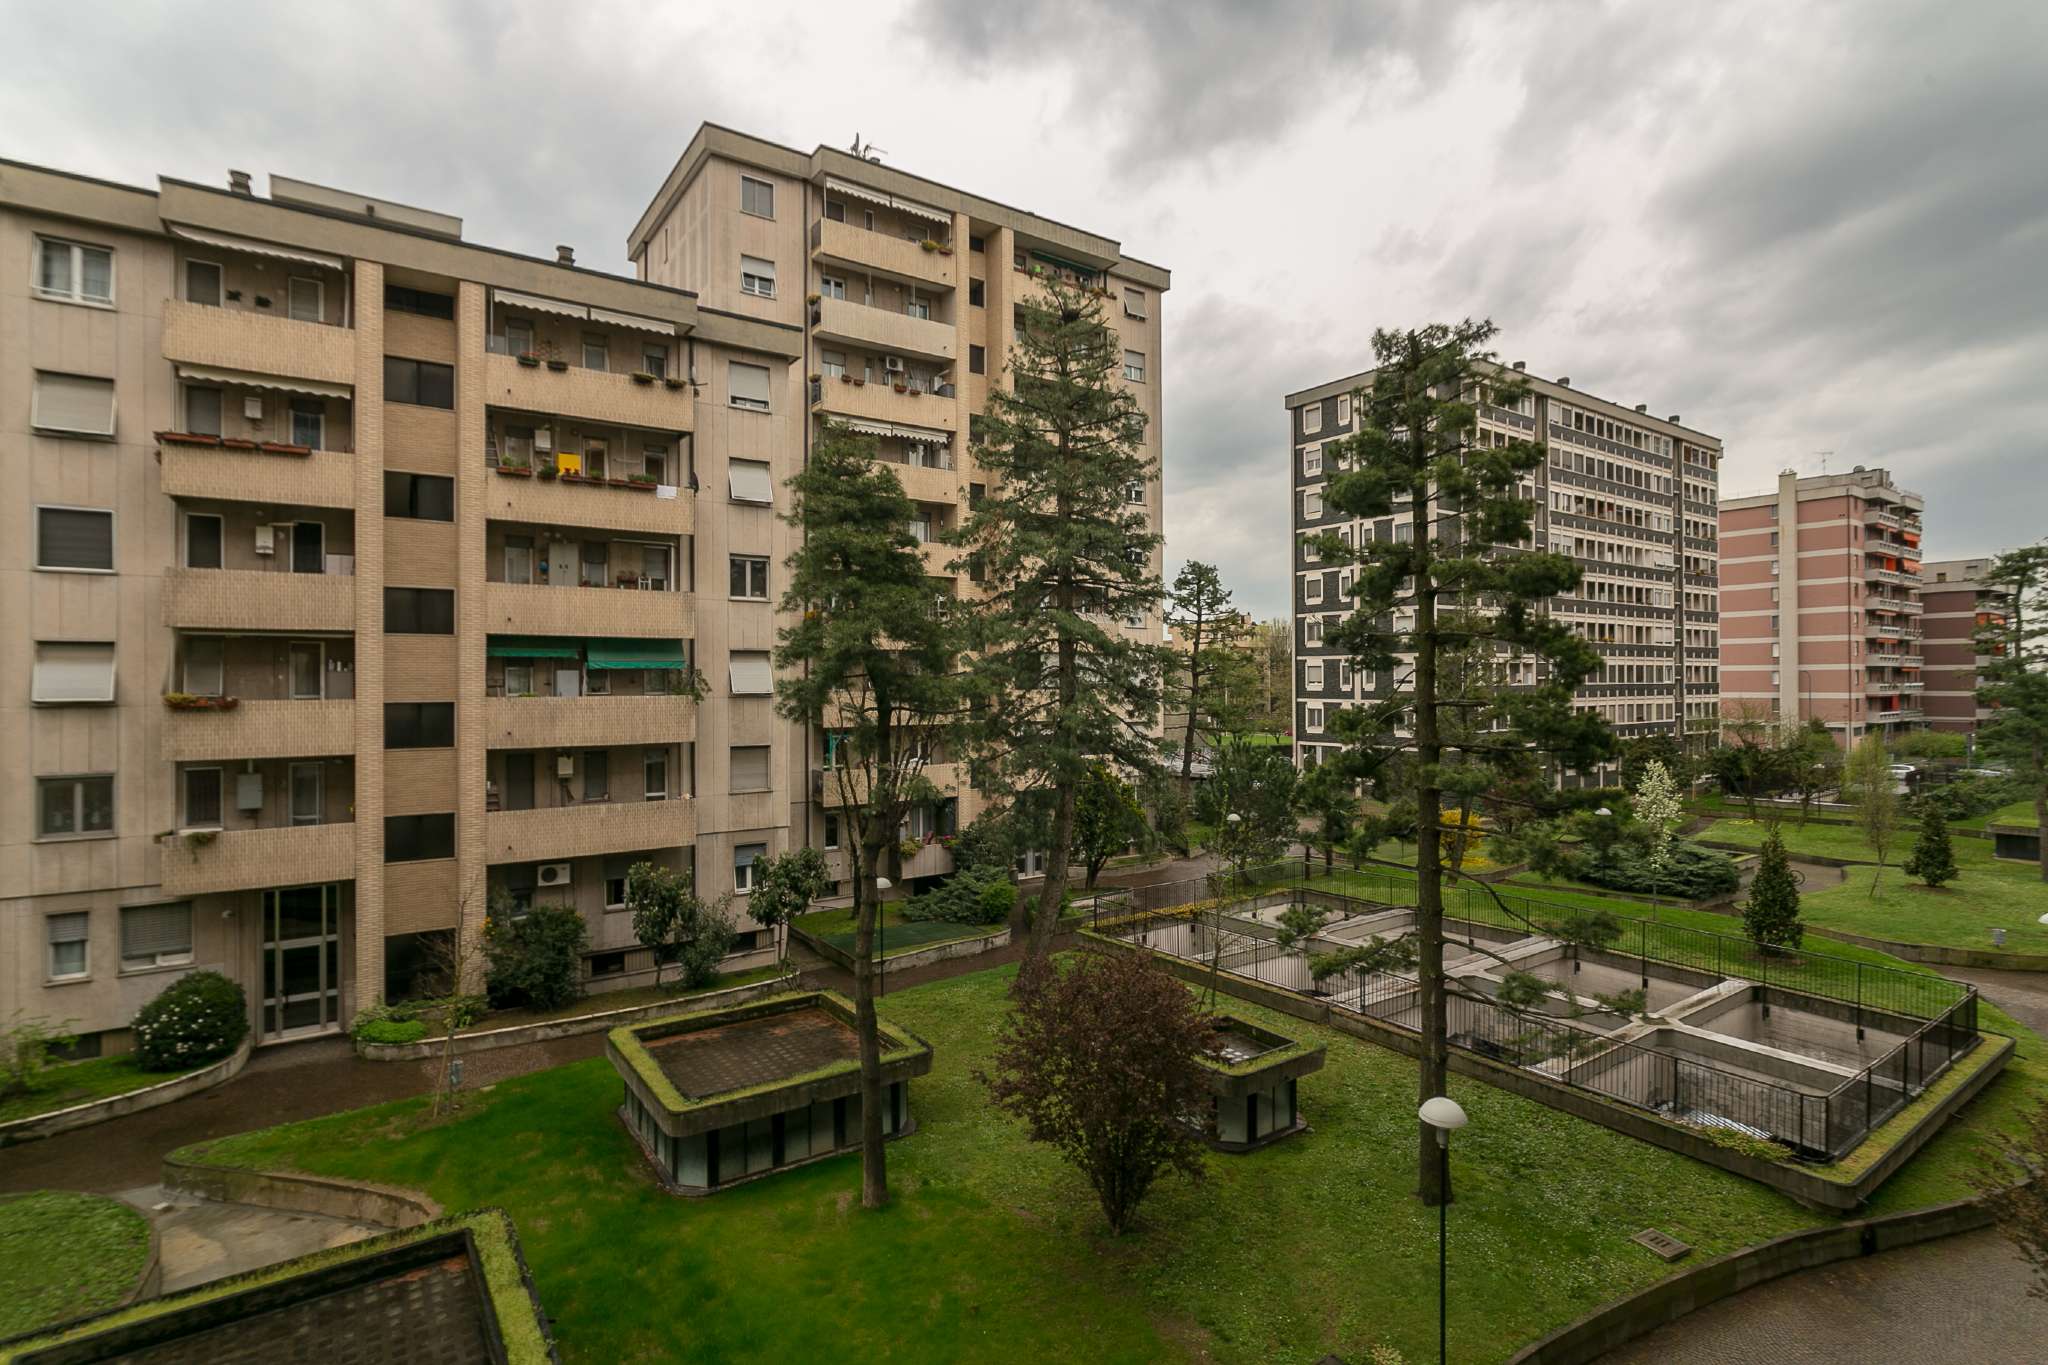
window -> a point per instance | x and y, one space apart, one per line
1314 675
200 789
68 959
1134 492
1312 588
202 540
425 497
976 244
977 294
72 673
750 577
156 936
419 725
426 303
831 287
1311 418
750 768
750 481
595 562
418 381
1311 505
757 277
74 538
418 838
72 404
1312 460
72 806
309 423
744 856
747 386
597 353
1343 408
750 674
305 300
757 197
1314 718
977 360
205 665
654 775
202 283
1134 366
419 611
202 411
831 837
74 273
654 360
597 775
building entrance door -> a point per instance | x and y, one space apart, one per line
301 960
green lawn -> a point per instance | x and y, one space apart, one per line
899 935
65 1255
598 1002
2019 813
72 1083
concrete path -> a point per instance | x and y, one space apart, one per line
202 1241
1959 1301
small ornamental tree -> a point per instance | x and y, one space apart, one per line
1107 819
678 924
2012 675
784 887
1771 918
534 961
1099 1060
1658 809
1868 778
1932 860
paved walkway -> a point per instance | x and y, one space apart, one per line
201 1241
1959 1301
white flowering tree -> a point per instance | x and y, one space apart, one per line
1659 808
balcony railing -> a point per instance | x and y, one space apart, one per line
903 257
542 497
588 722
202 467
882 329
260 729
654 402
247 599
248 859
876 400
524 609
258 343
587 829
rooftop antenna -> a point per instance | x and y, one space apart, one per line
866 151
1824 454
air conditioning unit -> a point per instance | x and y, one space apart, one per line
565 765
252 408
553 874
893 364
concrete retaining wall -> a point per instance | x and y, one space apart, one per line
428 1049
903 962
133 1102
1928 954
1623 1321
359 1203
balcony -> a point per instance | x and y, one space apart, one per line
587 722
258 343
593 395
246 599
1896 577
832 787
889 254
598 827
261 729
249 859
1902 605
283 475
876 401
599 506
1895 715
856 324
522 609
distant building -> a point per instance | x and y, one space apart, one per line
1820 603
1959 603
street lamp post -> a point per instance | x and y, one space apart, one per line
1442 1113
881 936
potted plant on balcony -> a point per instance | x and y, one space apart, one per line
553 355
642 481
188 701
187 438
902 387
285 448
642 377
929 245
945 250
812 299
518 470
528 359
675 384
860 382
237 443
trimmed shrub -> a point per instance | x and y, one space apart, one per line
199 1018
536 960
1691 872
1968 797
982 895
389 1030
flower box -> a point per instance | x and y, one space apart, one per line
558 365
285 448
903 388
187 438
186 701
846 379
237 443
641 484
515 471
529 359
642 377
675 383
546 472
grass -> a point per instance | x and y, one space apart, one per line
899 935
2019 813
65 1255
1986 894
601 1002
994 1250
78 1082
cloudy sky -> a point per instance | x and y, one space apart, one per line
1806 227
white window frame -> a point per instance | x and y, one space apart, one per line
649 758
743 872
35 418
1311 461
318 418
291 299
1312 718
1343 408
155 961
220 282
77 807
831 287
1312 675
767 186
50 942
754 279
733 399
751 560
184 793
38 679
113 538
1312 588
1134 367
1134 303
1306 410
1311 505
750 468
76 254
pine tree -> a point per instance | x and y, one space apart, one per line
2012 678
1065 556
872 661
1771 917
1933 860
1107 819
1328 795
1216 682
1470 579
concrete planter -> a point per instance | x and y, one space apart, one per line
133 1102
513 1035
187 1172
903 962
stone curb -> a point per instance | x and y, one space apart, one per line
354 1201
513 1035
133 1102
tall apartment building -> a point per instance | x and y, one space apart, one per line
1629 495
362 575
1821 608
1958 604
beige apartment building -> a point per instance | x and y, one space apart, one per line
1959 603
1821 603
361 576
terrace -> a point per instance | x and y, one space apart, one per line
723 1096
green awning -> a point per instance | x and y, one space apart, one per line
531 647
1089 270
636 654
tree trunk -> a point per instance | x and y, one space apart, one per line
1187 744
874 1175
2041 812
1429 876
1054 891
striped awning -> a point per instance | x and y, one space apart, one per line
204 374
633 320
910 206
536 303
531 647
255 248
872 428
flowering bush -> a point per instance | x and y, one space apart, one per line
199 1018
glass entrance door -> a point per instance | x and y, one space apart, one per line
301 960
